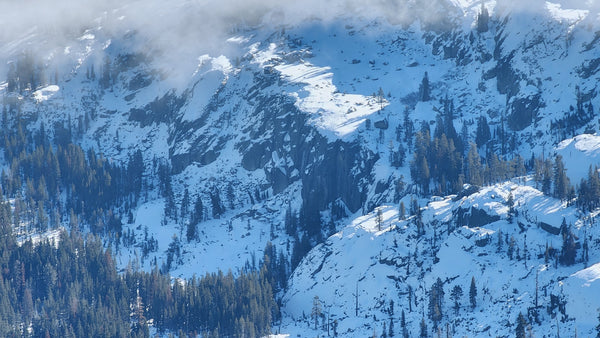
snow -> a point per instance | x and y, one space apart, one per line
570 15
238 39
51 235
87 36
579 154
337 115
333 270
589 275
578 290
45 93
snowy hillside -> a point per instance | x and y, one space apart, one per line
383 262
298 129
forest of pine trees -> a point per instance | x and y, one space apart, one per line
443 162
71 288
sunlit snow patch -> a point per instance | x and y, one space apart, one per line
45 93
87 36
577 289
579 153
335 114
238 39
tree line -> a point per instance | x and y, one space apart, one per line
71 288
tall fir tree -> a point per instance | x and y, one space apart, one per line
521 326
473 293
424 89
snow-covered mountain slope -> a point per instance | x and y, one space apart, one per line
305 115
383 267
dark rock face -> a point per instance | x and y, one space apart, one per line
161 110
382 124
342 173
549 228
507 79
590 68
524 112
467 191
474 217
483 242
255 156
277 138
295 151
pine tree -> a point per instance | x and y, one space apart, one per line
290 221
217 205
380 98
424 94
410 298
423 326
482 134
561 181
500 241
525 251
402 213
198 212
316 311
448 121
569 246
135 172
408 128
483 19
379 219
105 80
473 293
474 166
510 203
173 252
191 231
521 326
511 247
185 204
436 299
456 294
398 156
403 325
419 170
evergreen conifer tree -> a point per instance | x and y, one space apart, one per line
483 19
424 90
473 293
521 326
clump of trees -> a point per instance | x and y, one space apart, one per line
440 162
483 19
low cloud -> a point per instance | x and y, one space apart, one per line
177 28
